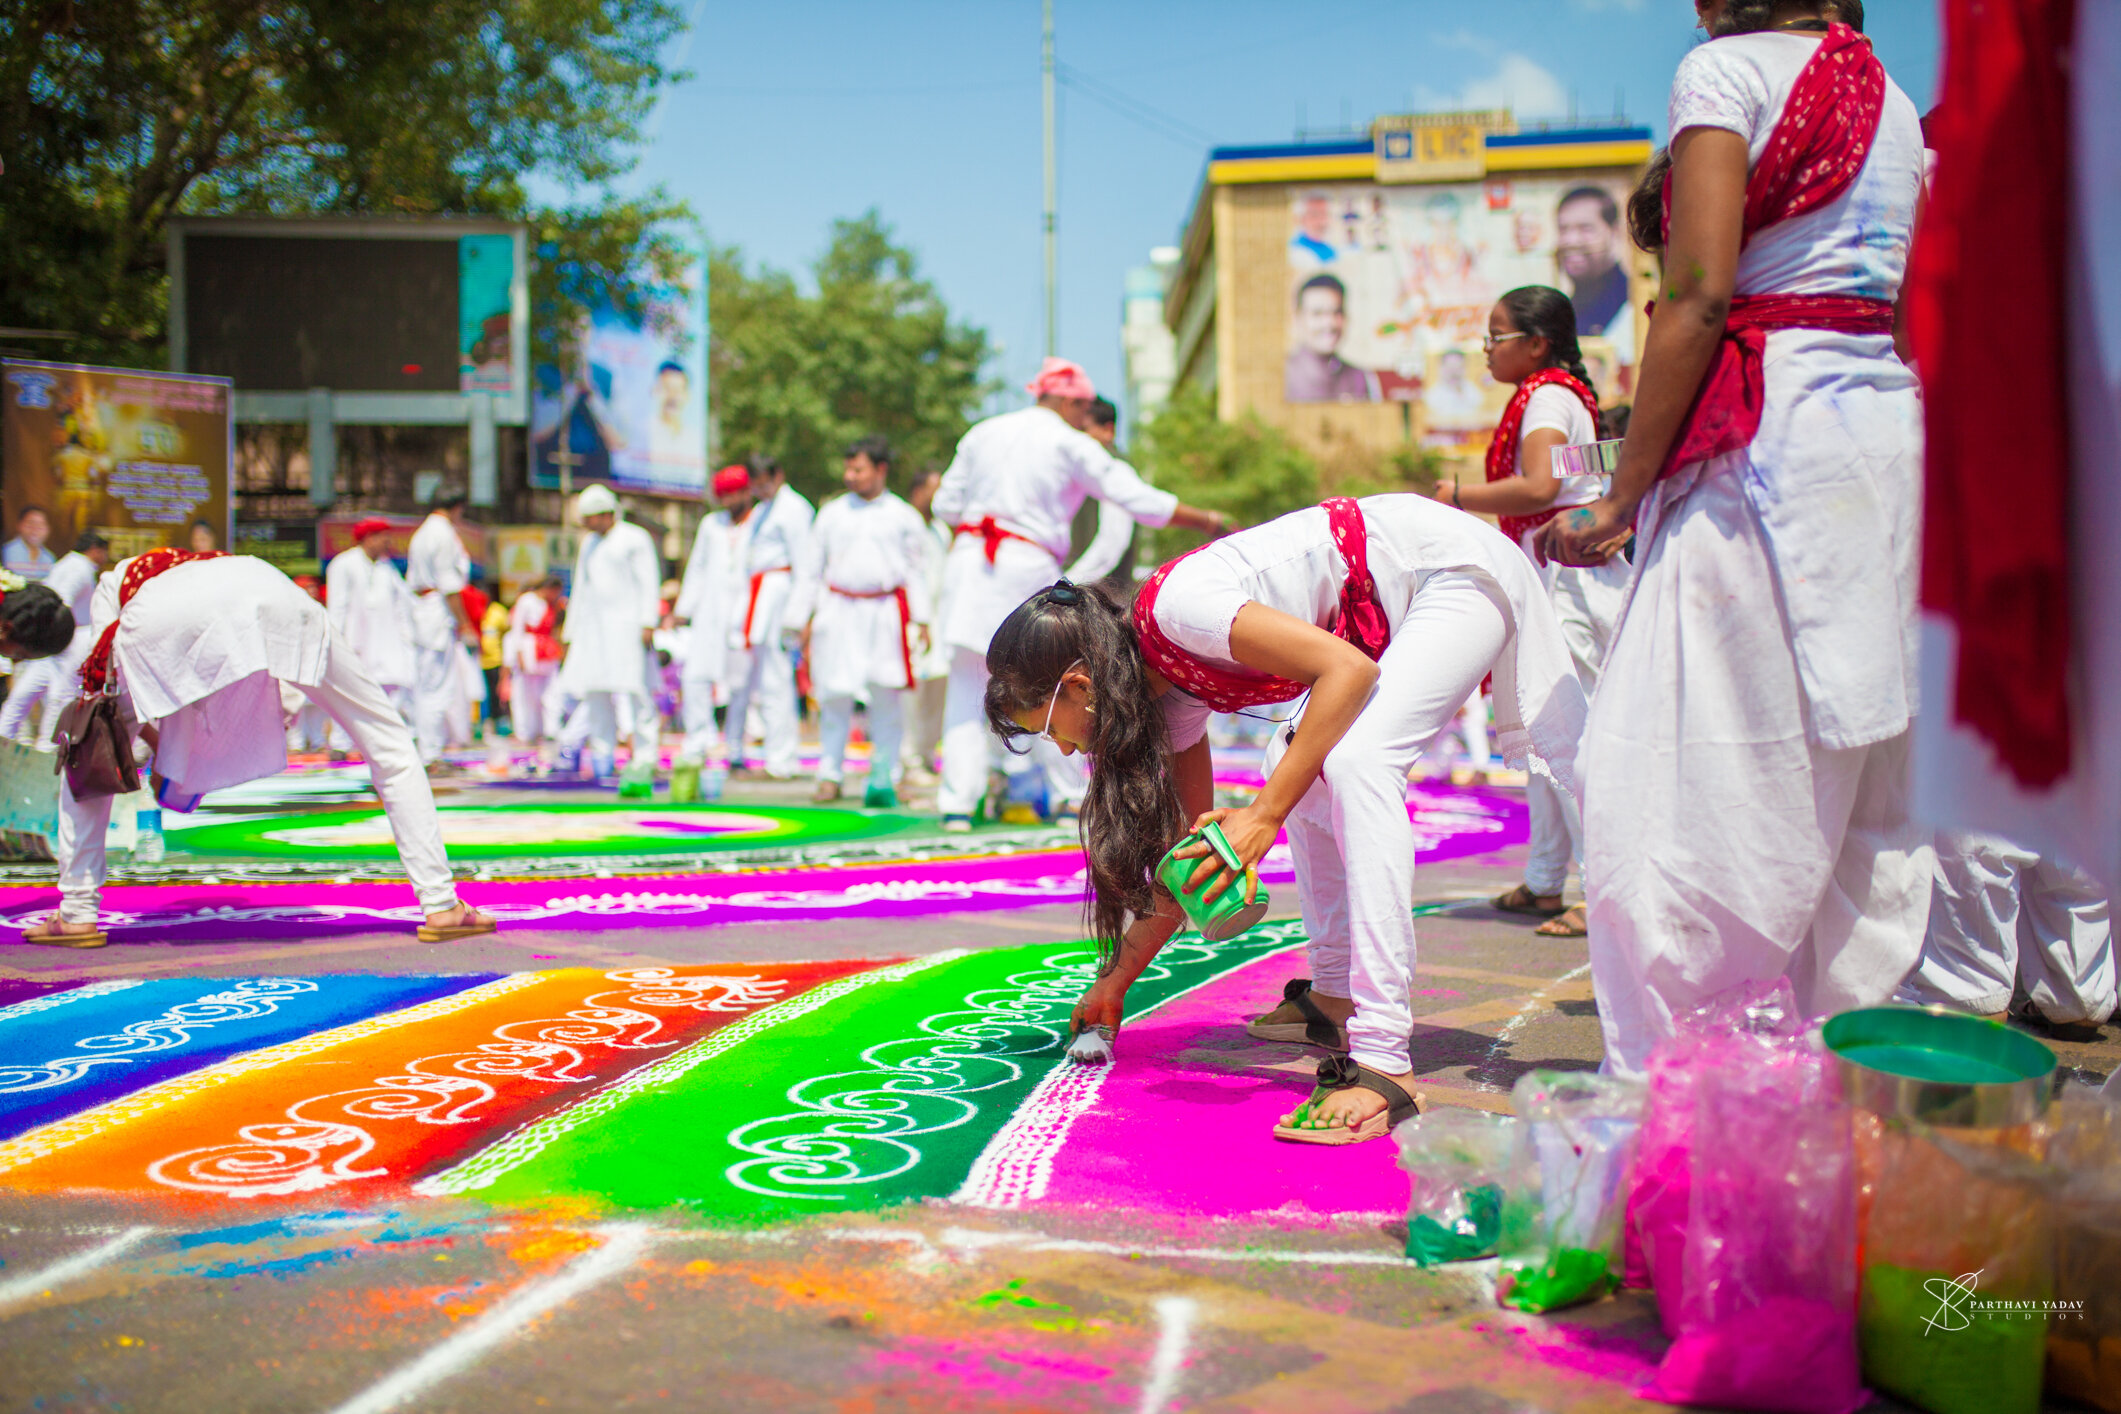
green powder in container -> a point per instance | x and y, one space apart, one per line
1567 1276
1473 1233
1992 1366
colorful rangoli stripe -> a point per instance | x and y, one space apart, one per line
83 1047
377 1109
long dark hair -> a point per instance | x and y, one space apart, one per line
1131 814
1753 16
1544 311
38 620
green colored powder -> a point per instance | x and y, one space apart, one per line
1471 1234
1567 1276
1991 1366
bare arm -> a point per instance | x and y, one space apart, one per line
1528 493
1700 277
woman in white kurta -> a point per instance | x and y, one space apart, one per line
1531 346
862 612
1384 614
613 607
200 655
1746 764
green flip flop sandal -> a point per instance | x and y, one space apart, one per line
1337 1073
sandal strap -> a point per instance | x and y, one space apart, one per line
1342 1072
1319 1029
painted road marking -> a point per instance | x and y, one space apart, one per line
1175 1316
42 1282
622 1246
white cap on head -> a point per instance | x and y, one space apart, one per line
595 501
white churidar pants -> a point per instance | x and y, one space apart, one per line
349 697
526 706
1588 601
1722 846
620 716
970 749
437 687
703 735
1351 835
2000 913
924 727
887 717
764 673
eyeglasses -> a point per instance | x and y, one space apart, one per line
1488 344
1045 731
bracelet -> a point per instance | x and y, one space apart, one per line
1455 498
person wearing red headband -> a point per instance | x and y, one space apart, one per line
709 605
1011 494
372 610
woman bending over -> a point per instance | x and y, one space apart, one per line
1385 614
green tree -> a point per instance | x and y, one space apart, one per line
1245 468
117 114
874 350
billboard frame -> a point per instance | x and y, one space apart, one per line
324 409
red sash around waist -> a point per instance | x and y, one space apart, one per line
1361 622
751 607
905 617
994 533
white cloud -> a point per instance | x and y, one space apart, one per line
1527 88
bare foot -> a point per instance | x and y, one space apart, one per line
1349 1108
460 915
57 927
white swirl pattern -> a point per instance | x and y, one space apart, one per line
321 1141
248 999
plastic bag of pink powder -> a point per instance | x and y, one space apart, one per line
1766 1316
1657 1194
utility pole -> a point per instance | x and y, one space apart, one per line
1046 89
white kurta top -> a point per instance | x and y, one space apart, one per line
74 580
1031 471
778 527
618 583
935 663
436 566
201 650
1291 564
857 554
373 611
713 597
1835 472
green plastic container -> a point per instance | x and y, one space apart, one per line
1940 1067
684 782
1229 914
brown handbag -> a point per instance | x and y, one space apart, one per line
95 744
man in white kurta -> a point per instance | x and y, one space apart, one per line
759 670
714 594
924 705
862 610
200 656
1011 494
56 681
437 568
612 613
371 608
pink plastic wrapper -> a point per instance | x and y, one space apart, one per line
1657 1196
1766 1315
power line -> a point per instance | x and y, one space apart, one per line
1133 109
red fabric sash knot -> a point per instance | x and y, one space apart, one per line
994 533
1502 452
1361 622
1818 147
95 669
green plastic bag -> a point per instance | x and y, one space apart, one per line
1457 1159
1567 1188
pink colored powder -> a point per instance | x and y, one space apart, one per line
1785 1354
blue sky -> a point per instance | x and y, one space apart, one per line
799 111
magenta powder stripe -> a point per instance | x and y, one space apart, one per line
1451 823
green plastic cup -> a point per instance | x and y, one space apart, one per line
1229 914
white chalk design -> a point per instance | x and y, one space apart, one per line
244 1001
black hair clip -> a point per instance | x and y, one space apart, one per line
1063 592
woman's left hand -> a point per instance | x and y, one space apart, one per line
1251 832
1585 535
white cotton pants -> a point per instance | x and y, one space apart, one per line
349 697
400 700
887 717
1722 846
970 748
2000 914
1351 836
437 688
26 689
54 681
620 716
763 674
924 725
703 734
1587 600
526 706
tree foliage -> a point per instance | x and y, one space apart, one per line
874 350
117 114
1246 469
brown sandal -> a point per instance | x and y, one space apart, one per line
450 932
1522 900
1345 1073
47 934
1569 923
1316 1028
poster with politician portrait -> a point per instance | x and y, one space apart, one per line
1390 288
